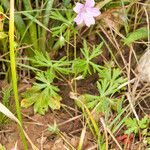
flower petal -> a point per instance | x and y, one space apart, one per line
93 11
78 7
89 3
78 19
88 19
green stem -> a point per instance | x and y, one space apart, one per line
33 28
13 69
75 57
45 23
68 39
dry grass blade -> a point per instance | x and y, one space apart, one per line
5 111
108 130
10 115
82 138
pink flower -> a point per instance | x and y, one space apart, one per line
86 13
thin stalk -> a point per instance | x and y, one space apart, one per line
45 23
13 70
68 39
33 28
75 57
38 13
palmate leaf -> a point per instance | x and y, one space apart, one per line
54 102
89 55
45 100
143 123
41 100
41 103
62 65
29 98
46 77
43 94
81 66
86 64
41 60
58 30
104 105
131 125
110 80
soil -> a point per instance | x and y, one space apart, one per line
36 126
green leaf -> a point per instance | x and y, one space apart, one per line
103 3
41 104
42 94
2 147
60 43
29 98
143 123
132 126
1 9
56 15
61 65
81 66
88 100
66 2
54 102
138 34
53 128
110 80
42 100
148 141
103 105
3 35
118 104
86 65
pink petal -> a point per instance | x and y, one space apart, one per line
78 7
93 11
78 19
89 3
88 19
